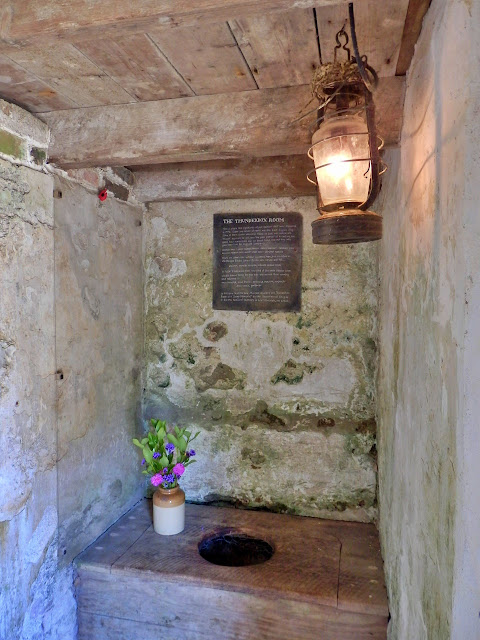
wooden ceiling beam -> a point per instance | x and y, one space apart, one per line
225 179
411 32
249 123
22 21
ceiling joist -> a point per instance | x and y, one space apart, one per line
224 179
249 123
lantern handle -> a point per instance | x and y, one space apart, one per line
362 65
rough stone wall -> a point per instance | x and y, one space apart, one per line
23 138
36 600
285 402
422 321
71 327
99 320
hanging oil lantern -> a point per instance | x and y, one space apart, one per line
345 150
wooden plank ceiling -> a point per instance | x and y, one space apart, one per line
277 49
58 59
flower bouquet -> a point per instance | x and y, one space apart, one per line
166 455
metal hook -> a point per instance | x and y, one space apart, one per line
343 46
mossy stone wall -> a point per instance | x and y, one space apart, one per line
285 402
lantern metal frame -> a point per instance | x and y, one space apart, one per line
375 143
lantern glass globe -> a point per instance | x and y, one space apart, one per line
340 150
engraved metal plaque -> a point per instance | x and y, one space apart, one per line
257 262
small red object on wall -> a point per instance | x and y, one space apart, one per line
102 195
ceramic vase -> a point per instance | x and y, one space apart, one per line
168 511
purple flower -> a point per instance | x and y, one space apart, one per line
178 469
156 454
156 479
169 478
165 470
191 453
143 461
169 448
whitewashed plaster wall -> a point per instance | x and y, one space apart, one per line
36 600
466 579
285 402
99 341
429 344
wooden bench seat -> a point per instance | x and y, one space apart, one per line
324 581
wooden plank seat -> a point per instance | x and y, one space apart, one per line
324 581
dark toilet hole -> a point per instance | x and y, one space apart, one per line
235 550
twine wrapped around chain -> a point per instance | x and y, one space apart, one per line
333 73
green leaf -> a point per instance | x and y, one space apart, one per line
161 433
177 431
163 461
144 441
188 433
145 473
171 438
182 445
197 434
152 421
148 455
137 443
